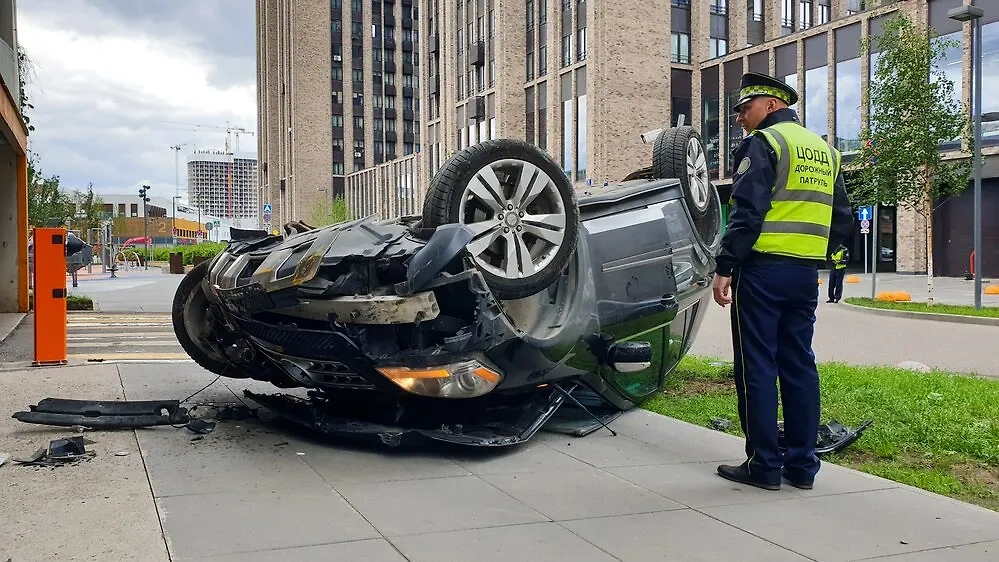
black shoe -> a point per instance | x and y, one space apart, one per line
800 484
741 475
830 300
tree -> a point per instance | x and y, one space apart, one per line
92 206
326 213
24 67
913 111
46 201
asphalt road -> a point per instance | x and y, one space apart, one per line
857 337
132 323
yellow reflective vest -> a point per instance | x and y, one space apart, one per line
800 214
838 259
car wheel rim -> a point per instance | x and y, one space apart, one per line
517 218
697 173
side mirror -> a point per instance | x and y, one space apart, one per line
630 357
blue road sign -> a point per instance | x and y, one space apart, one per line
267 207
864 213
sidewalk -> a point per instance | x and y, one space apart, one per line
254 491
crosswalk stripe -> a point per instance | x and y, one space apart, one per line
116 355
102 344
119 336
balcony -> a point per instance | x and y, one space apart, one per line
476 108
433 45
407 44
389 89
477 54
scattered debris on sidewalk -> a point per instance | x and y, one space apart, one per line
833 437
109 414
198 425
721 424
60 452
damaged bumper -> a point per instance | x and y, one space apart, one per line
363 306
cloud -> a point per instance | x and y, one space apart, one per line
114 86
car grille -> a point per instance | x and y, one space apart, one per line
306 343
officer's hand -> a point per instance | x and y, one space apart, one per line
720 288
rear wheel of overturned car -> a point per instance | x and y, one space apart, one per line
678 153
520 207
190 318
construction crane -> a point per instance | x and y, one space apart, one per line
228 132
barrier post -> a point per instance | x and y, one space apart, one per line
50 296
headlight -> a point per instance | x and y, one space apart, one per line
465 379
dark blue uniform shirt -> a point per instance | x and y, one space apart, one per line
751 191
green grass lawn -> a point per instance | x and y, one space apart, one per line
937 431
986 311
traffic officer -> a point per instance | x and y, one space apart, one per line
788 208
837 271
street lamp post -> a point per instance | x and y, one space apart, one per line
145 222
173 221
974 14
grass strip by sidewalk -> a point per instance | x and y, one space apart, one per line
958 310
937 431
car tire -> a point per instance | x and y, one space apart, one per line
541 218
678 153
190 305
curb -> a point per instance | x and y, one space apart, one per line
952 318
4 336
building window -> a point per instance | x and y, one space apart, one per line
566 50
805 7
823 14
787 15
581 43
719 47
681 48
338 121
358 121
719 7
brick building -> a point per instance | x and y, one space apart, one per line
582 80
338 93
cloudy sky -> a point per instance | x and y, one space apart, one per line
116 83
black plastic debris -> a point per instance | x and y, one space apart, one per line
200 426
235 412
60 451
110 414
721 424
833 437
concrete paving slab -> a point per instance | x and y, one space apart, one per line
677 535
370 550
534 541
157 381
607 451
100 509
435 505
698 485
232 523
579 494
980 552
230 459
862 525
533 456
339 463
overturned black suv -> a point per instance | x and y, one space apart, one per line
512 303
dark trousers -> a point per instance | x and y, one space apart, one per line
836 283
773 319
